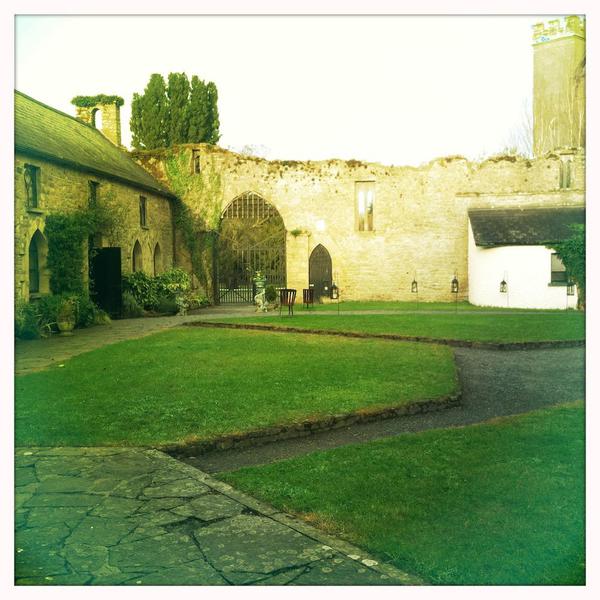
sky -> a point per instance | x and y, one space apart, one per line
398 90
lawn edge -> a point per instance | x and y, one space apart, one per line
276 433
533 345
293 522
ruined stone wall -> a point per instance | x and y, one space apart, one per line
420 213
63 189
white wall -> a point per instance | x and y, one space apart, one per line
527 272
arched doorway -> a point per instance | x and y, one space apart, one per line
252 238
38 251
320 271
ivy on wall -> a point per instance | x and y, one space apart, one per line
90 101
199 226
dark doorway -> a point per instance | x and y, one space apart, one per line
252 238
105 279
319 271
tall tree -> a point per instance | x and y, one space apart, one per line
197 111
135 123
148 122
178 94
213 114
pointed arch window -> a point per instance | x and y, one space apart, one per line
157 260
38 250
137 257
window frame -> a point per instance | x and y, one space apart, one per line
143 212
34 175
557 276
364 205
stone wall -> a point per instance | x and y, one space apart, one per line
63 189
420 213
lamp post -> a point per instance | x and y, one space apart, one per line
504 288
335 295
414 288
454 290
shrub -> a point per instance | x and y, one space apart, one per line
26 321
167 305
270 293
131 308
143 288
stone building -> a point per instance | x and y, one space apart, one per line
371 229
63 165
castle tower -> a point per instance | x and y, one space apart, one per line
559 84
92 109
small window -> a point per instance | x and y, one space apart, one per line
157 260
93 193
142 211
565 173
137 257
558 270
34 267
32 186
365 198
195 161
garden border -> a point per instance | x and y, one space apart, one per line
395 337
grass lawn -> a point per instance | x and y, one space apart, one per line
412 306
191 384
468 325
496 503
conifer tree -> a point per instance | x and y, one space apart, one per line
135 123
148 122
197 111
178 94
213 114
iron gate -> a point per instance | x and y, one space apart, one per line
252 238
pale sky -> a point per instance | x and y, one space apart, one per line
394 89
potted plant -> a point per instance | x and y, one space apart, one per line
65 319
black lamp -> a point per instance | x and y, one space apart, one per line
335 293
570 287
454 288
414 287
503 287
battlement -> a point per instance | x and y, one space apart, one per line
561 27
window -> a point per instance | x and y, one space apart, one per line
558 271
565 172
32 186
93 193
195 161
38 275
157 260
137 257
365 196
142 211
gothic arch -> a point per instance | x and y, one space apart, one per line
137 259
320 271
38 281
157 260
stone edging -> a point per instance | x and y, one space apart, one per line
386 570
391 336
259 437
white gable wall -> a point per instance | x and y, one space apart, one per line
527 272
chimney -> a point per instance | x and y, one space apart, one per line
105 109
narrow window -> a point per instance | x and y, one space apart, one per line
32 186
137 257
558 270
195 161
365 198
142 211
93 193
34 266
157 260
565 173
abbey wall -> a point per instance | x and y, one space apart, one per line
419 214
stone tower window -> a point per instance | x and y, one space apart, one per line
565 172
97 118
195 161
137 257
365 198
32 186
143 211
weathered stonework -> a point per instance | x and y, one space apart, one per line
420 213
64 190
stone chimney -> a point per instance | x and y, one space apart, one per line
108 107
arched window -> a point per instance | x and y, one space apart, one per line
38 249
137 257
157 260
97 118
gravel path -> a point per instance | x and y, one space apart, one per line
495 383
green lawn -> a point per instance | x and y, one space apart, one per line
496 503
411 306
192 384
468 325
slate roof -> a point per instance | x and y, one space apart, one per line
523 226
47 133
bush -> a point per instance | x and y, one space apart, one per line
131 308
143 288
26 321
270 293
167 305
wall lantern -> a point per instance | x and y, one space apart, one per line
414 287
454 288
335 293
503 286
570 287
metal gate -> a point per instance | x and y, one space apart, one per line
105 279
252 238
319 271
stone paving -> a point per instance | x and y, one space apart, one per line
108 516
